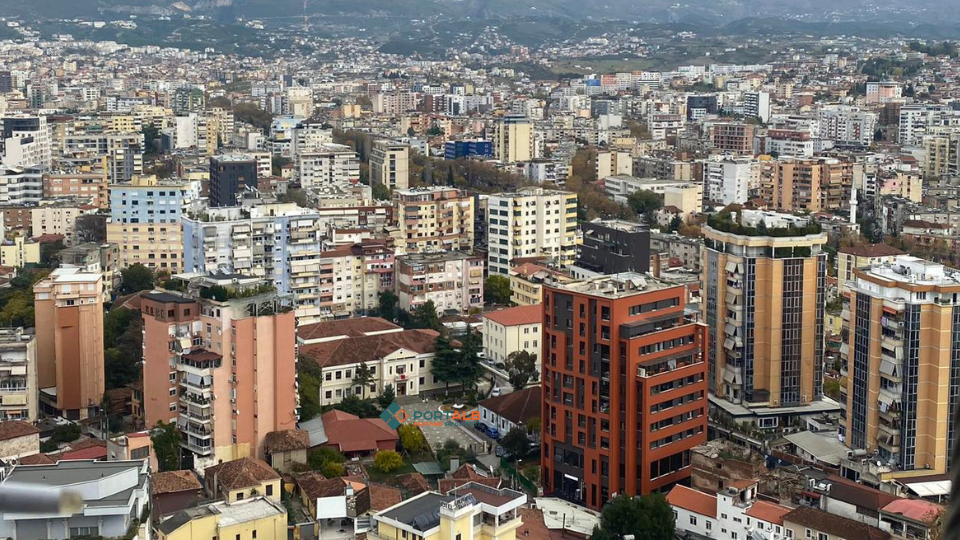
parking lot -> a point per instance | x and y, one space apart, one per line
468 438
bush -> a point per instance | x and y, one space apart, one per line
387 461
321 456
332 469
412 439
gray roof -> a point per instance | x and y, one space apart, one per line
315 429
422 513
826 447
69 472
429 468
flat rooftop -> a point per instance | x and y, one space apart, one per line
421 512
615 286
914 270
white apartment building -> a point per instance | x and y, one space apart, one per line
307 137
452 280
619 188
329 164
19 187
25 142
18 375
917 119
757 104
732 514
727 180
59 219
511 330
530 223
848 125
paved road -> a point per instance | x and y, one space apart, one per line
438 434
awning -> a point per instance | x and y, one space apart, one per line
728 344
731 298
731 266
887 367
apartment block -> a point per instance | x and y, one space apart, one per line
279 242
901 349
89 185
849 258
220 361
611 247
533 222
352 276
390 164
69 315
514 329
513 139
19 388
145 222
330 164
453 280
848 126
25 142
763 290
614 162
59 218
93 257
733 138
20 187
810 185
230 177
624 387
727 180
435 218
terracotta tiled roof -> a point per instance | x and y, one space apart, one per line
37 459
285 441
871 250
174 482
850 492
350 433
317 486
349 327
915 509
769 512
369 348
413 484
383 497
518 407
516 316
12 429
240 474
834 525
693 501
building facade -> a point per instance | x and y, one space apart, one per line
435 218
230 176
453 280
533 222
19 388
390 164
145 223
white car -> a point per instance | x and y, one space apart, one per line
495 392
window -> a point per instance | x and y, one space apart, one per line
269 494
822 536
254 533
709 525
693 520
238 537
789 533
84 531
809 533
173 391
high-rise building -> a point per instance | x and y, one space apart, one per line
18 375
69 313
757 105
624 387
810 185
764 286
6 82
434 218
533 222
901 354
352 276
187 100
277 242
145 222
734 138
612 247
220 361
513 139
230 176
390 164
455 281
848 126
330 164
25 142
726 180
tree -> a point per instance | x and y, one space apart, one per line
323 455
676 223
645 203
649 517
496 289
412 439
381 192
425 316
387 461
515 442
521 367
332 469
387 396
446 361
309 375
364 408
363 377
534 425
64 433
469 369
388 305
166 445
18 311
136 278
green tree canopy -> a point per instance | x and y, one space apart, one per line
363 377
136 278
387 396
521 368
496 289
387 461
649 517
515 442
425 316
645 203
166 445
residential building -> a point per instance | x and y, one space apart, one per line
144 222
262 517
511 330
514 410
231 337
472 510
283 449
397 357
527 279
619 188
731 514
774 272
804 522
513 139
883 91
849 258
69 317
18 439
757 105
25 142
133 446
240 479
59 218
19 251
624 367
279 242
92 257
452 280
89 185
435 218
533 222
124 151
726 180
614 163
687 199
665 168
174 491
352 276
902 339
19 186
811 185
789 143
231 175
19 387
354 436
911 518
116 493
467 149
390 164
848 126
329 164
611 247
733 138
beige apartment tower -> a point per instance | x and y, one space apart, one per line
69 317
434 218
390 164
901 354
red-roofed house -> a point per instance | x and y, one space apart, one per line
512 329
909 518
696 511
732 513
352 435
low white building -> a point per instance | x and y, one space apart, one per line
512 330
732 514
116 494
